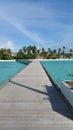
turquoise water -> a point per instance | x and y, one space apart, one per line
9 69
59 70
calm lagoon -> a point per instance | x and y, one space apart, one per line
59 69
9 69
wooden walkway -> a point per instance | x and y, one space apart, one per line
30 102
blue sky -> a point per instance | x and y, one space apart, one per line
44 23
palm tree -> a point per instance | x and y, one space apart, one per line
34 49
9 52
38 51
59 50
24 49
54 51
63 48
71 52
43 53
29 49
63 52
49 51
20 54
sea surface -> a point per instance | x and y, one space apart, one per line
59 70
9 69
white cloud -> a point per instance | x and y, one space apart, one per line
8 45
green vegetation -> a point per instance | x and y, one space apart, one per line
29 52
32 52
6 54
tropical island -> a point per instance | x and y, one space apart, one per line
32 52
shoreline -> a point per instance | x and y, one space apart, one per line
37 60
7 60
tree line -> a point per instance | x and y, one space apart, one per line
32 52
6 54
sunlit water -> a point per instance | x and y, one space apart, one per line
59 70
9 69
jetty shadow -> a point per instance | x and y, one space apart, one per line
58 102
27 87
